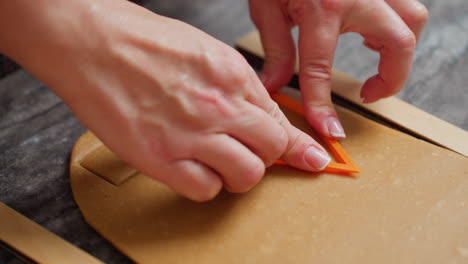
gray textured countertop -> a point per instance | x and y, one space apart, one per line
37 131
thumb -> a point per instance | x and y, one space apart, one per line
302 151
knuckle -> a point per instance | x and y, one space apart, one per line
320 106
281 143
233 70
317 69
297 142
278 149
419 15
406 40
207 107
275 112
205 195
206 192
213 100
281 138
331 5
252 174
299 8
250 118
237 74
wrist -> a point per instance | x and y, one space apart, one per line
28 30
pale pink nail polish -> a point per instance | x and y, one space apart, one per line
334 128
317 158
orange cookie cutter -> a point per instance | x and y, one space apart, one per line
344 165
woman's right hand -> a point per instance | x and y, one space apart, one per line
175 103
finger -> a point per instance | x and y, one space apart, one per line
413 12
304 152
277 42
239 168
318 35
382 27
193 180
298 152
260 132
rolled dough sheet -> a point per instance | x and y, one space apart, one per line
410 205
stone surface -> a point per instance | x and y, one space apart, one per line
37 131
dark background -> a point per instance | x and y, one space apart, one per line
37 131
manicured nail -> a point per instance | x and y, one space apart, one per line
317 158
334 128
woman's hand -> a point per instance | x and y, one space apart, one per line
167 98
390 27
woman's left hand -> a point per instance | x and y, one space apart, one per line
390 27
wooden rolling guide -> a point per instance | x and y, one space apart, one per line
35 244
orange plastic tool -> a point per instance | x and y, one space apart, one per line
344 165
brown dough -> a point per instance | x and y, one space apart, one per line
410 205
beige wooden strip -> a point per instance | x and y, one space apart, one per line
392 109
36 243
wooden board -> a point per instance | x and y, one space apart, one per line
36 243
410 205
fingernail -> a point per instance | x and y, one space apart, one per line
317 158
334 128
